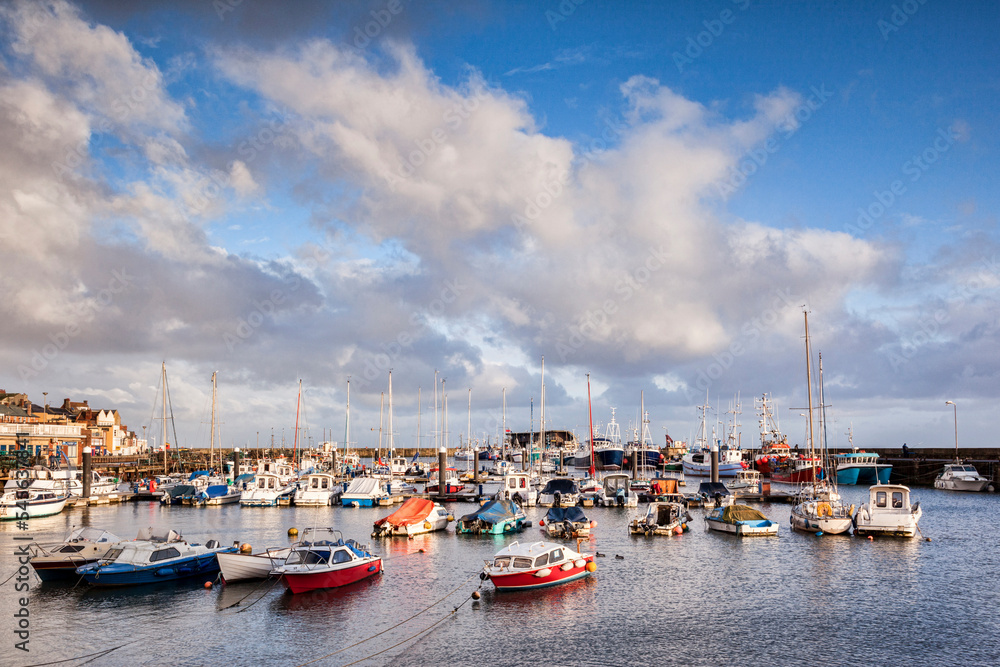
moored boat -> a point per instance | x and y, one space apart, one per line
414 517
616 491
566 522
327 562
153 558
494 517
318 489
559 492
59 561
517 486
888 512
959 477
30 504
861 468
740 520
536 565
364 492
238 566
266 491
661 518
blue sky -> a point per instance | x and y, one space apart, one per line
647 192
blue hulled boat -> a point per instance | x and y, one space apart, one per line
862 468
151 558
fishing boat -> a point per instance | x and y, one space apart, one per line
518 486
888 512
30 504
519 567
559 492
327 562
616 491
414 517
641 451
495 517
698 463
609 454
55 562
860 467
661 518
960 477
318 489
267 490
152 558
364 492
740 520
566 522
239 566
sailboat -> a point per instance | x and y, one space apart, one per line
350 462
820 508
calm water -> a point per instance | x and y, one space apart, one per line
698 599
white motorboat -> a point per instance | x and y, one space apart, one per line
266 490
414 517
559 492
517 486
888 512
318 489
30 504
740 520
59 561
245 566
64 481
745 480
960 477
661 518
616 491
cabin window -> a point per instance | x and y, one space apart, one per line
314 483
541 560
71 549
513 484
524 482
897 499
163 554
341 556
262 483
112 554
501 562
270 482
522 563
880 499
325 483
555 556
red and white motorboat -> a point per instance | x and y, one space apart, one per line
327 563
524 566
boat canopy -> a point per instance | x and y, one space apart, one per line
150 534
363 486
217 490
413 511
612 483
245 477
561 485
198 473
735 513
573 514
493 512
711 488
92 535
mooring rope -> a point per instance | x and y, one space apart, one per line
405 620
92 656
276 580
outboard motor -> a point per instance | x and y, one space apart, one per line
620 497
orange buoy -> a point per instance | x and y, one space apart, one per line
541 522
593 524
870 537
208 584
591 566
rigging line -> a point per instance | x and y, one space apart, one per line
92 656
434 604
422 632
252 591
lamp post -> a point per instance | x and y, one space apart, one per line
952 404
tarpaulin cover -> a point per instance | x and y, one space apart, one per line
197 473
561 486
414 510
735 513
662 486
614 482
557 514
362 486
493 512
217 490
711 488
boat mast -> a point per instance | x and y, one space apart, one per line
163 382
590 418
468 435
347 422
542 445
211 446
418 421
444 424
392 443
381 413
822 423
437 432
295 449
503 423
812 455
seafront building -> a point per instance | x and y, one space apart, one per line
61 432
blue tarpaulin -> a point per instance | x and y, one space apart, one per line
493 512
557 514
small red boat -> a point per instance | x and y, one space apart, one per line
537 565
327 563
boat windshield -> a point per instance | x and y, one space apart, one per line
541 560
502 562
522 563
307 557
112 554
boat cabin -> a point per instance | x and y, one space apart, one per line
527 561
890 497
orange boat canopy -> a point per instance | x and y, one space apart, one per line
414 510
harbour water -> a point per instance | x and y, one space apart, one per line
696 599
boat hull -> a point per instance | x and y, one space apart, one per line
359 501
867 474
744 528
799 476
609 459
32 509
242 567
700 470
63 570
129 575
808 522
531 579
974 486
311 581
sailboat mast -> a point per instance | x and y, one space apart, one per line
381 413
809 393
542 448
468 434
590 417
295 450
347 421
437 432
163 382
444 424
392 442
211 446
418 421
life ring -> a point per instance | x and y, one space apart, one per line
824 509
